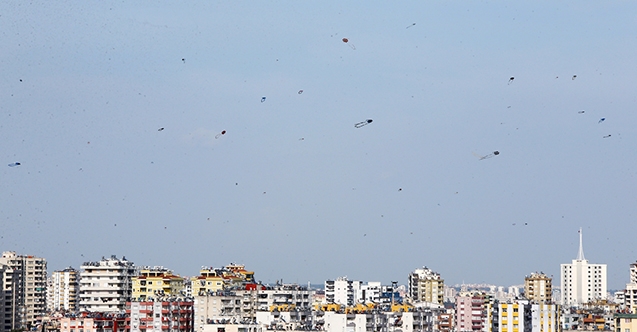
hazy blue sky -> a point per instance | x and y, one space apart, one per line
293 190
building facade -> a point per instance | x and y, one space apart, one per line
24 285
524 316
426 285
582 282
62 290
159 316
157 283
630 294
342 291
473 312
105 285
537 287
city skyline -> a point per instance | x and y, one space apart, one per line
140 129
580 257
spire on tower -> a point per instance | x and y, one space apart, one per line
580 254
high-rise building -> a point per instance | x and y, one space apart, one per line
581 281
155 283
426 285
62 290
630 294
473 312
105 285
342 291
5 302
537 287
24 285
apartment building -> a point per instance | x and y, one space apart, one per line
63 290
426 285
159 316
214 279
106 285
24 286
473 312
537 287
630 294
155 283
94 322
342 291
581 281
525 316
5 301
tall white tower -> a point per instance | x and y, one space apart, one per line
582 282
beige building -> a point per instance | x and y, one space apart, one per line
156 283
537 287
625 322
62 290
24 286
426 285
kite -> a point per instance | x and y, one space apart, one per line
263 99
581 112
511 79
14 164
601 120
363 123
346 41
223 132
160 129
574 77
490 155
607 136
410 26
300 91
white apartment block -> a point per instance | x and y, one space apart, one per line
106 285
426 285
24 286
370 292
581 281
630 294
342 291
5 302
62 290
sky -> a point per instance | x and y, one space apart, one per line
293 189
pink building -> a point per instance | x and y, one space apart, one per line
94 322
470 313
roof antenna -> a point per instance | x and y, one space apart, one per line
580 254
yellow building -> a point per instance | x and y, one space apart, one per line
212 280
537 287
625 322
156 282
209 280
